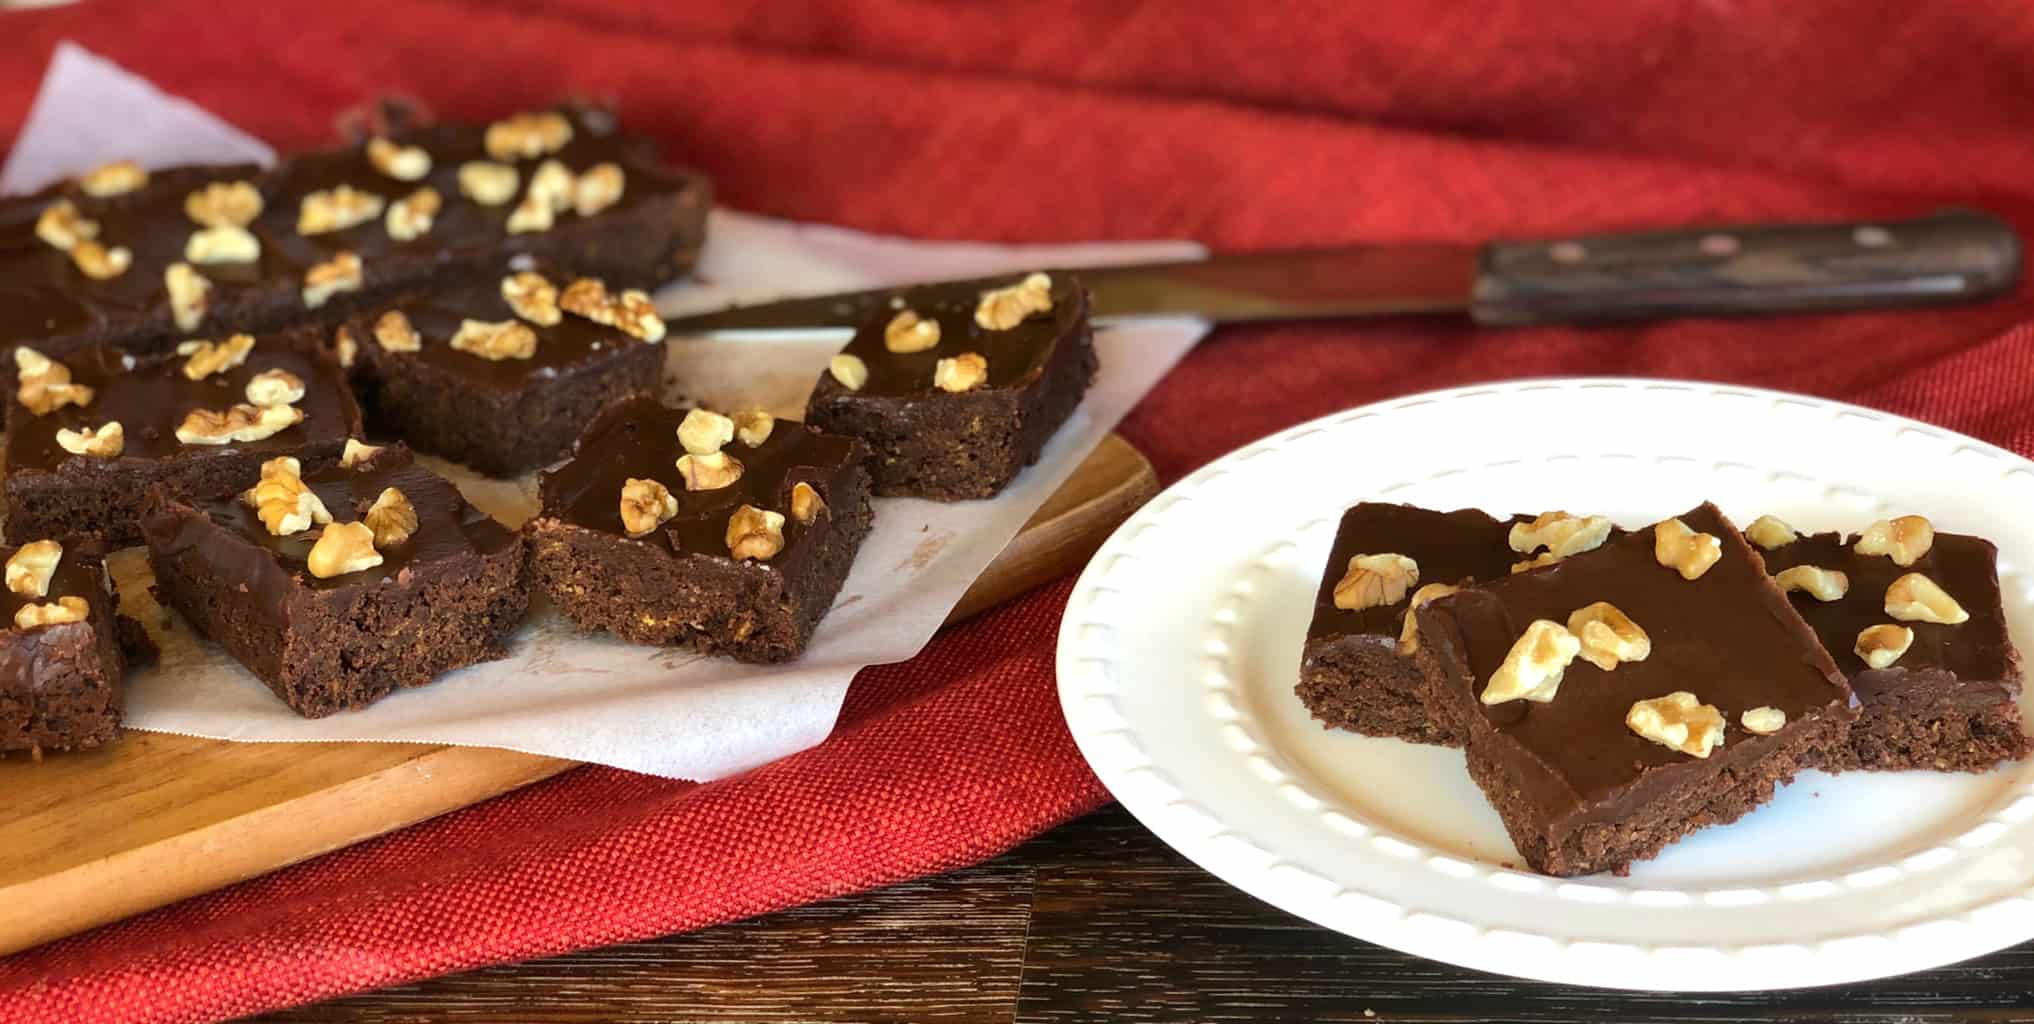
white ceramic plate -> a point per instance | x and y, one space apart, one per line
1180 648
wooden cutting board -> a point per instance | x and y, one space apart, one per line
92 838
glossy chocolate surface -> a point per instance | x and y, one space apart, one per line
571 343
638 438
151 399
1015 356
45 295
233 537
75 576
1729 637
1977 653
1449 547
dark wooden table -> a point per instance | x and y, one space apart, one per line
1096 921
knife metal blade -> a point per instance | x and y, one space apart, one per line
1731 270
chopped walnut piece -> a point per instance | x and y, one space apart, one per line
222 244
598 188
341 273
488 184
646 505
1409 631
703 432
754 427
1003 308
392 518
208 358
1560 533
709 472
1609 637
115 179
552 184
45 384
336 209
631 312
104 441
1683 550
1372 581
1771 532
1678 721
806 504
527 136
31 566
1881 645
495 340
1904 540
394 333
1916 598
224 204
964 372
100 263
240 423
343 548
908 332
1533 668
281 500
755 533
189 295
356 453
403 163
275 387
1543 558
55 613
532 214
849 370
345 346
1815 581
63 227
411 217
1763 721
533 297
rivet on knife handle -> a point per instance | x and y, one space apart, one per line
1952 256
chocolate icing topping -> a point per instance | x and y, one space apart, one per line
46 295
76 575
152 398
447 528
1015 356
567 345
1973 661
1729 637
638 438
1449 547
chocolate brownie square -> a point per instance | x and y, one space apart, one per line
336 586
60 656
143 259
685 527
957 390
1622 698
89 434
504 374
1357 670
1941 696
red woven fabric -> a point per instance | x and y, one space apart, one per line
1244 125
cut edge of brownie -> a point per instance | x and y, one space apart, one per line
74 698
1363 685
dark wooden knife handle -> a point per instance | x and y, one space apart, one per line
1952 256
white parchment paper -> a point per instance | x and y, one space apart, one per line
590 698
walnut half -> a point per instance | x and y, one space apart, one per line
533 297
1881 645
1904 540
282 501
495 340
755 533
646 505
45 384
205 358
241 423
343 548
392 518
1916 598
1533 668
964 372
30 567
1001 309
1409 631
1609 637
104 441
1815 581
1560 533
1679 721
342 273
1683 550
630 312
709 472
1372 581
55 613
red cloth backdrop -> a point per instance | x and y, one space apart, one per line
1246 124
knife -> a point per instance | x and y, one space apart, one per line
1739 270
